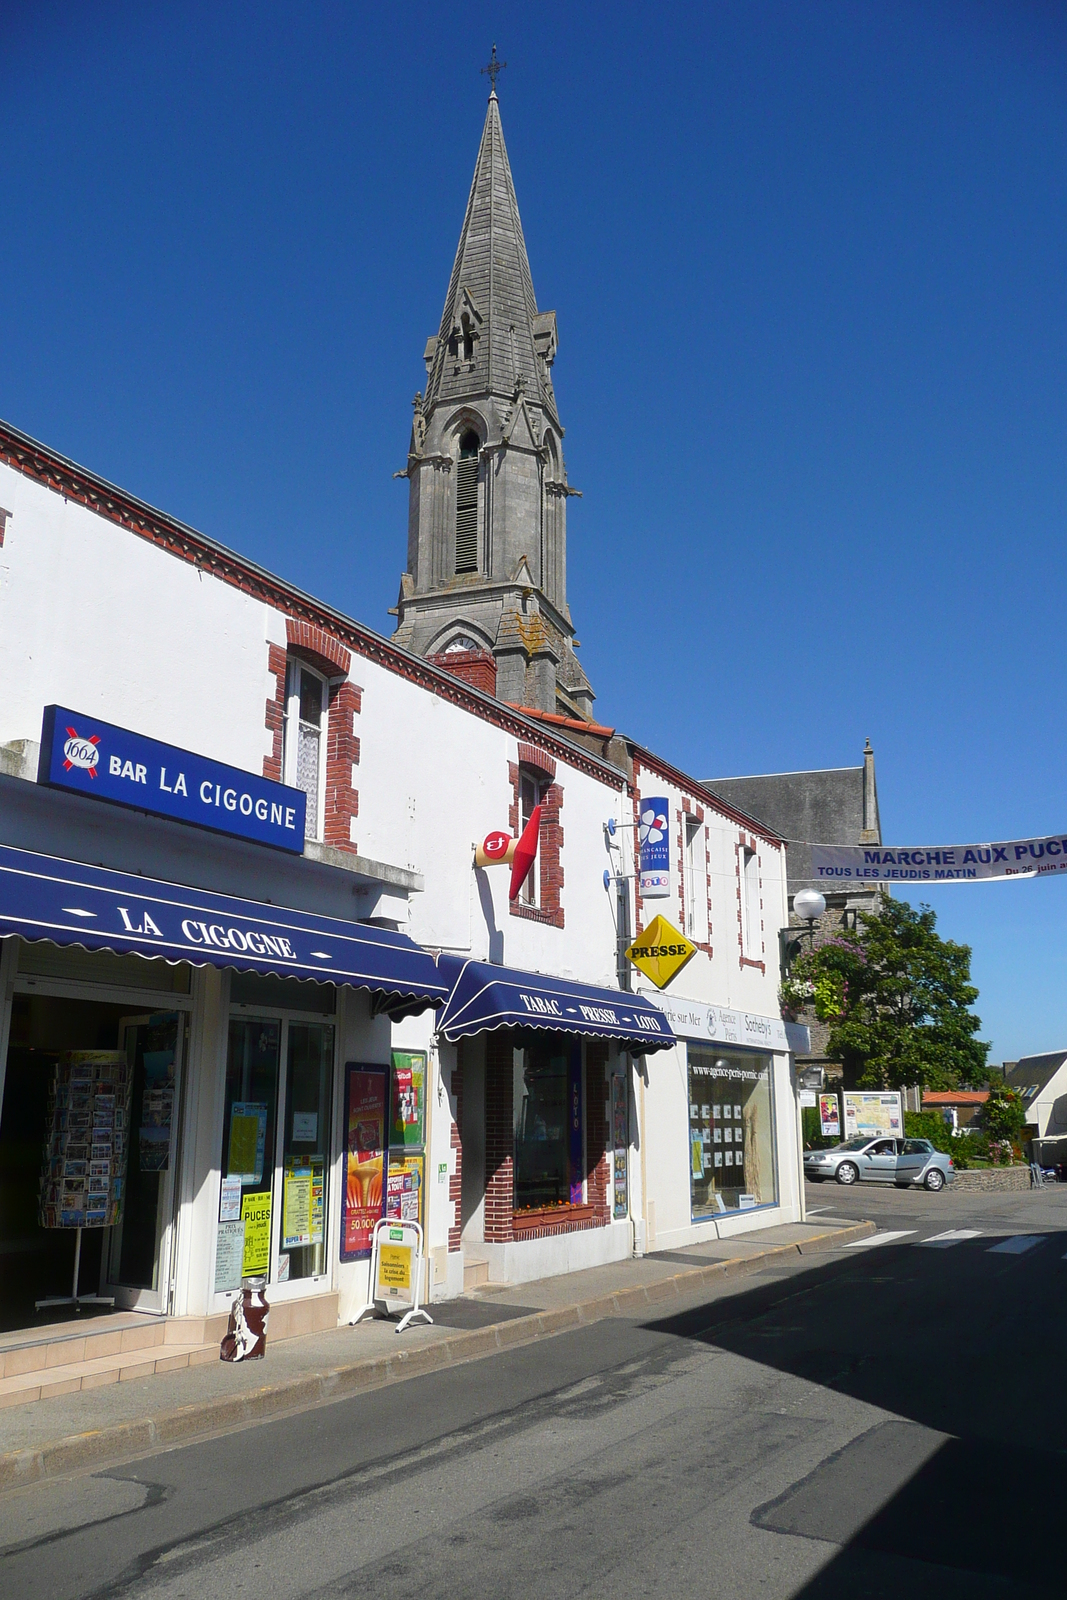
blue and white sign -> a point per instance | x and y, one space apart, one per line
91 757
654 848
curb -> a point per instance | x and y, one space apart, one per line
19 1468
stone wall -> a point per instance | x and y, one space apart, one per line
985 1179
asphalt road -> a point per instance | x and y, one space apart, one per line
886 1420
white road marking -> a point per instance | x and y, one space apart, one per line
1016 1246
879 1238
942 1241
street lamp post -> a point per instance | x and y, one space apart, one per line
810 905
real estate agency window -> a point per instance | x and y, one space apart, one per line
531 793
751 916
306 703
731 1131
276 1132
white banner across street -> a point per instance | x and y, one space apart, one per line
1017 858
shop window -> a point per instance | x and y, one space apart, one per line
274 1179
306 1150
548 1117
751 917
731 1132
530 796
305 740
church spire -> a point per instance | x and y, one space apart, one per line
490 326
485 591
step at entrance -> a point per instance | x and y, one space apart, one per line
475 1271
40 1363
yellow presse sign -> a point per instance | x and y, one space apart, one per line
661 952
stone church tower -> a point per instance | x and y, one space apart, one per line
485 593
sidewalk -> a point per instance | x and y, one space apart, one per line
98 1426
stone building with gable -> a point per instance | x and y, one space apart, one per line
836 805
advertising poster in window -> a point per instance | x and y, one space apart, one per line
654 848
407 1125
403 1187
302 1206
255 1217
829 1116
363 1199
872 1114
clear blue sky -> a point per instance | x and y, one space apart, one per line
808 263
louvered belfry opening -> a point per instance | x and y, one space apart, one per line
467 504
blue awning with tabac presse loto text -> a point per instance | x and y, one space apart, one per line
484 997
68 903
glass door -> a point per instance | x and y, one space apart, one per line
141 1249
273 1198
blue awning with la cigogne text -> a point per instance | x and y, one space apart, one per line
45 897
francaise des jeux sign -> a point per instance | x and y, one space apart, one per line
87 756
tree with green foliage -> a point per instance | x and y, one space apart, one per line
897 998
1003 1115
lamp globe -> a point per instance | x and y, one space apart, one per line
809 904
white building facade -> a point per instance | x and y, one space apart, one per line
533 1141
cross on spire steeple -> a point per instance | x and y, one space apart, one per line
494 69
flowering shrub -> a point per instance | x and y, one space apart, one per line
831 992
793 996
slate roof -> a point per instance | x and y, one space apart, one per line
836 805
491 281
1036 1070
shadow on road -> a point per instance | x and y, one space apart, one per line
963 1495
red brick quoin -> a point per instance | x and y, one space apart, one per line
329 657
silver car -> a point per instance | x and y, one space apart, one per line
904 1162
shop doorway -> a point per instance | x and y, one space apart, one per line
141 1247
37 1261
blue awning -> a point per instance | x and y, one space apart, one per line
44 897
485 997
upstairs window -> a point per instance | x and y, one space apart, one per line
751 918
695 880
305 740
467 503
530 795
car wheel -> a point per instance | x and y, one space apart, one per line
934 1180
847 1172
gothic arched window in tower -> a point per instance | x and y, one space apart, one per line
467 503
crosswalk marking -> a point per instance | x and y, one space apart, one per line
1016 1246
879 1238
942 1241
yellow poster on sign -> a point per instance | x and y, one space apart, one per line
661 952
394 1266
255 1214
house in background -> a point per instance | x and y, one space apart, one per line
959 1107
1042 1083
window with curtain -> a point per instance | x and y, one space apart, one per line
305 740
